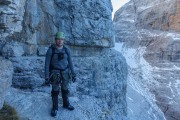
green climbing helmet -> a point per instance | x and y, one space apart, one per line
60 35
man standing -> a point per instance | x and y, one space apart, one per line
58 66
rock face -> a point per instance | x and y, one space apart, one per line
148 34
6 73
11 17
40 20
101 71
80 20
28 72
98 94
140 102
167 17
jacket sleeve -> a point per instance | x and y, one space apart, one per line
71 66
47 62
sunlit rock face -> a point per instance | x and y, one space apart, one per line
148 34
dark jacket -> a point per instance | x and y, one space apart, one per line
61 60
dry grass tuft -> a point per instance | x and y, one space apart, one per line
8 113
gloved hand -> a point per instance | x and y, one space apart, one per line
47 82
73 78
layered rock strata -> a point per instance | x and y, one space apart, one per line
149 31
101 71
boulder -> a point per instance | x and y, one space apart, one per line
28 72
6 73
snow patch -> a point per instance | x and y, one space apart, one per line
128 54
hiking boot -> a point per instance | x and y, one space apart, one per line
54 95
53 113
69 107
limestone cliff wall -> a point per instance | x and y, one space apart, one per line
32 24
101 71
148 32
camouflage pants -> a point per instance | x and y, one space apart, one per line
60 80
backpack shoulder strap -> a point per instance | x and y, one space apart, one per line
53 51
66 50
52 54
